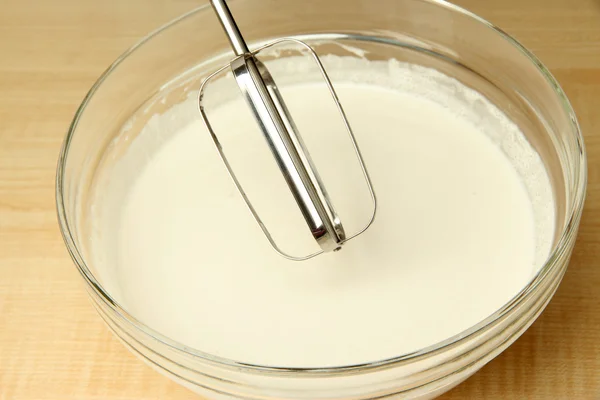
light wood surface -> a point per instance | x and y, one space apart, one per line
53 346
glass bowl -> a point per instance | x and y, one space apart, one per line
158 73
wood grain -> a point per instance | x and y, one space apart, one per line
52 344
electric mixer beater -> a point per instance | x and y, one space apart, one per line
285 143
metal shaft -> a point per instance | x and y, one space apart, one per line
231 29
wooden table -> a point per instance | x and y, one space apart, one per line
53 346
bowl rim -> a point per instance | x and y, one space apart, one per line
551 264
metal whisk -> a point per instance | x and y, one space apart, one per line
286 145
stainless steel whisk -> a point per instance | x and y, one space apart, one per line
276 124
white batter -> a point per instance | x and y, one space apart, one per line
456 235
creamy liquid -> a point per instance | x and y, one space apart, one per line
456 235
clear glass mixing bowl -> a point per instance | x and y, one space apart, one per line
171 61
